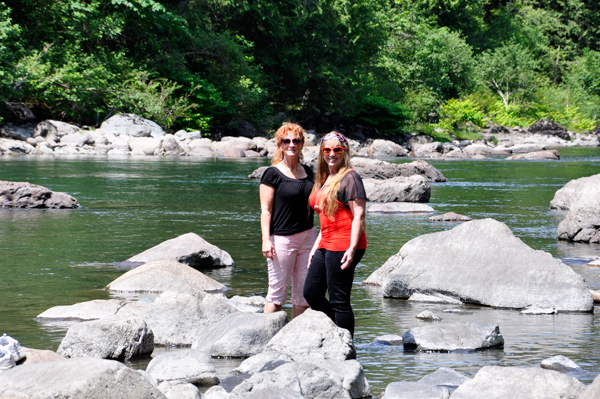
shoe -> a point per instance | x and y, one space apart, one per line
12 346
6 360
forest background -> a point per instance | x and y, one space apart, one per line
434 66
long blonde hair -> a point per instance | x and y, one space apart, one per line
281 133
327 200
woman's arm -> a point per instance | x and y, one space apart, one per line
357 207
267 194
313 250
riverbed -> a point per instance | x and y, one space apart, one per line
129 204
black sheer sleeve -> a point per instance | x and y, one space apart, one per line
270 177
351 188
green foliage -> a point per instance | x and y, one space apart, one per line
512 115
386 116
456 114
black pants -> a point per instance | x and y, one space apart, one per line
325 275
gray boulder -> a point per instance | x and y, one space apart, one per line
582 223
171 146
400 207
15 147
482 149
77 139
493 382
313 335
448 337
388 340
398 189
428 315
547 127
187 365
429 150
177 317
379 275
132 125
189 248
51 130
593 390
571 192
378 169
165 275
463 263
33 356
83 311
27 195
20 111
240 334
83 378
386 148
113 337
414 390
144 145
560 363
450 217
263 361
17 132
179 390
547 154
445 377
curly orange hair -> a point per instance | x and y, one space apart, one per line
281 133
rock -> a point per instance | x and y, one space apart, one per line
244 128
456 154
595 263
418 140
313 335
170 145
83 311
113 337
560 363
445 377
548 154
377 169
164 275
143 145
256 300
27 195
268 393
429 150
593 390
33 356
499 129
386 148
183 135
390 339
535 310
252 154
87 378
525 148
435 298
463 263
176 318
20 111
428 316
77 139
311 378
550 128
457 311
400 207
132 125
188 365
571 191
414 390
595 296
453 336
450 217
493 382
15 147
53 130
189 248
233 152
398 189
267 360
482 149
17 132
582 223
179 390
240 334
379 275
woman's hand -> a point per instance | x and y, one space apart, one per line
267 249
347 258
313 250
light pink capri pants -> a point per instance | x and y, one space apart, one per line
289 263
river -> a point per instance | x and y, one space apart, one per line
61 257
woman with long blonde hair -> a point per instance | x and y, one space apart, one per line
339 198
286 220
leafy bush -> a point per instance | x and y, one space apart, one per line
457 113
386 116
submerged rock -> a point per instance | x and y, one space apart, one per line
450 217
453 336
27 195
400 207
482 262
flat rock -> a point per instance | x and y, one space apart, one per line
560 363
33 356
240 334
89 310
428 315
547 154
450 217
595 263
398 189
186 365
435 298
535 310
414 390
27 195
164 275
87 378
463 263
113 337
571 191
445 377
378 169
313 335
482 149
493 382
448 337
400 207
582 223
189 248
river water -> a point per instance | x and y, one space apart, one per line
61 257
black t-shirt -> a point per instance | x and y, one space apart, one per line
291 212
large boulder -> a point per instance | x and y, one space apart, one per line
132 125
52 131
448 337
386 148
482 262
77 139
582 223
549 128
189 248
176 318
83 311
17 132
593 390
493 382
378 169
240 334
27 195
313 335
187 365
82 378
144 145
398 189
12 147
113 337
165 275
571 191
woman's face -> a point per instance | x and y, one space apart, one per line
291 146
333 159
